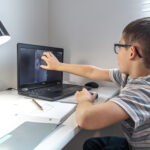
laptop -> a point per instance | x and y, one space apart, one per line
27 136
36 82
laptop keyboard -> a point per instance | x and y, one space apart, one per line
59 88
55 92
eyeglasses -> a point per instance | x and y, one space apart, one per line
117 47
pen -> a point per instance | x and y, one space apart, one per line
38 105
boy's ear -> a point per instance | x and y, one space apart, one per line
132 52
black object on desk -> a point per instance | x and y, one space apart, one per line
92 84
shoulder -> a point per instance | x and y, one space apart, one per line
117 77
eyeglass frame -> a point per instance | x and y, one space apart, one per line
125 45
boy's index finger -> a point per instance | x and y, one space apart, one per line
43 66
44 57
47 54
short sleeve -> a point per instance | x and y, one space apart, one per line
135 102
117 77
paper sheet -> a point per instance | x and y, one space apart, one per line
52 111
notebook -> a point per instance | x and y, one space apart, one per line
39 83
53 112
27 136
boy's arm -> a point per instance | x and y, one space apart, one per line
88 71
97 116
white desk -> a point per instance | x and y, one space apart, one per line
63 133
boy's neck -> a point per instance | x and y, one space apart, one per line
139 72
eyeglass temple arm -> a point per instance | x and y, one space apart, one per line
138 52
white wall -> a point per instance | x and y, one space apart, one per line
87 29
27 22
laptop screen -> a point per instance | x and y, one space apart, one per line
28 64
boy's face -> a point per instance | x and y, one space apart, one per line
123 57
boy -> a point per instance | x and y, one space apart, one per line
131 106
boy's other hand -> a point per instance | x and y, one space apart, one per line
84 95
51 61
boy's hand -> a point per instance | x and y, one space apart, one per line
51 61
84 95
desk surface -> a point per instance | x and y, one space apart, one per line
61 135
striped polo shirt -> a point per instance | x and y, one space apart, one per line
134 98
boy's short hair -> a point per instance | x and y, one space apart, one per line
138 31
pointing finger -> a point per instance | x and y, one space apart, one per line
44 58
43 67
